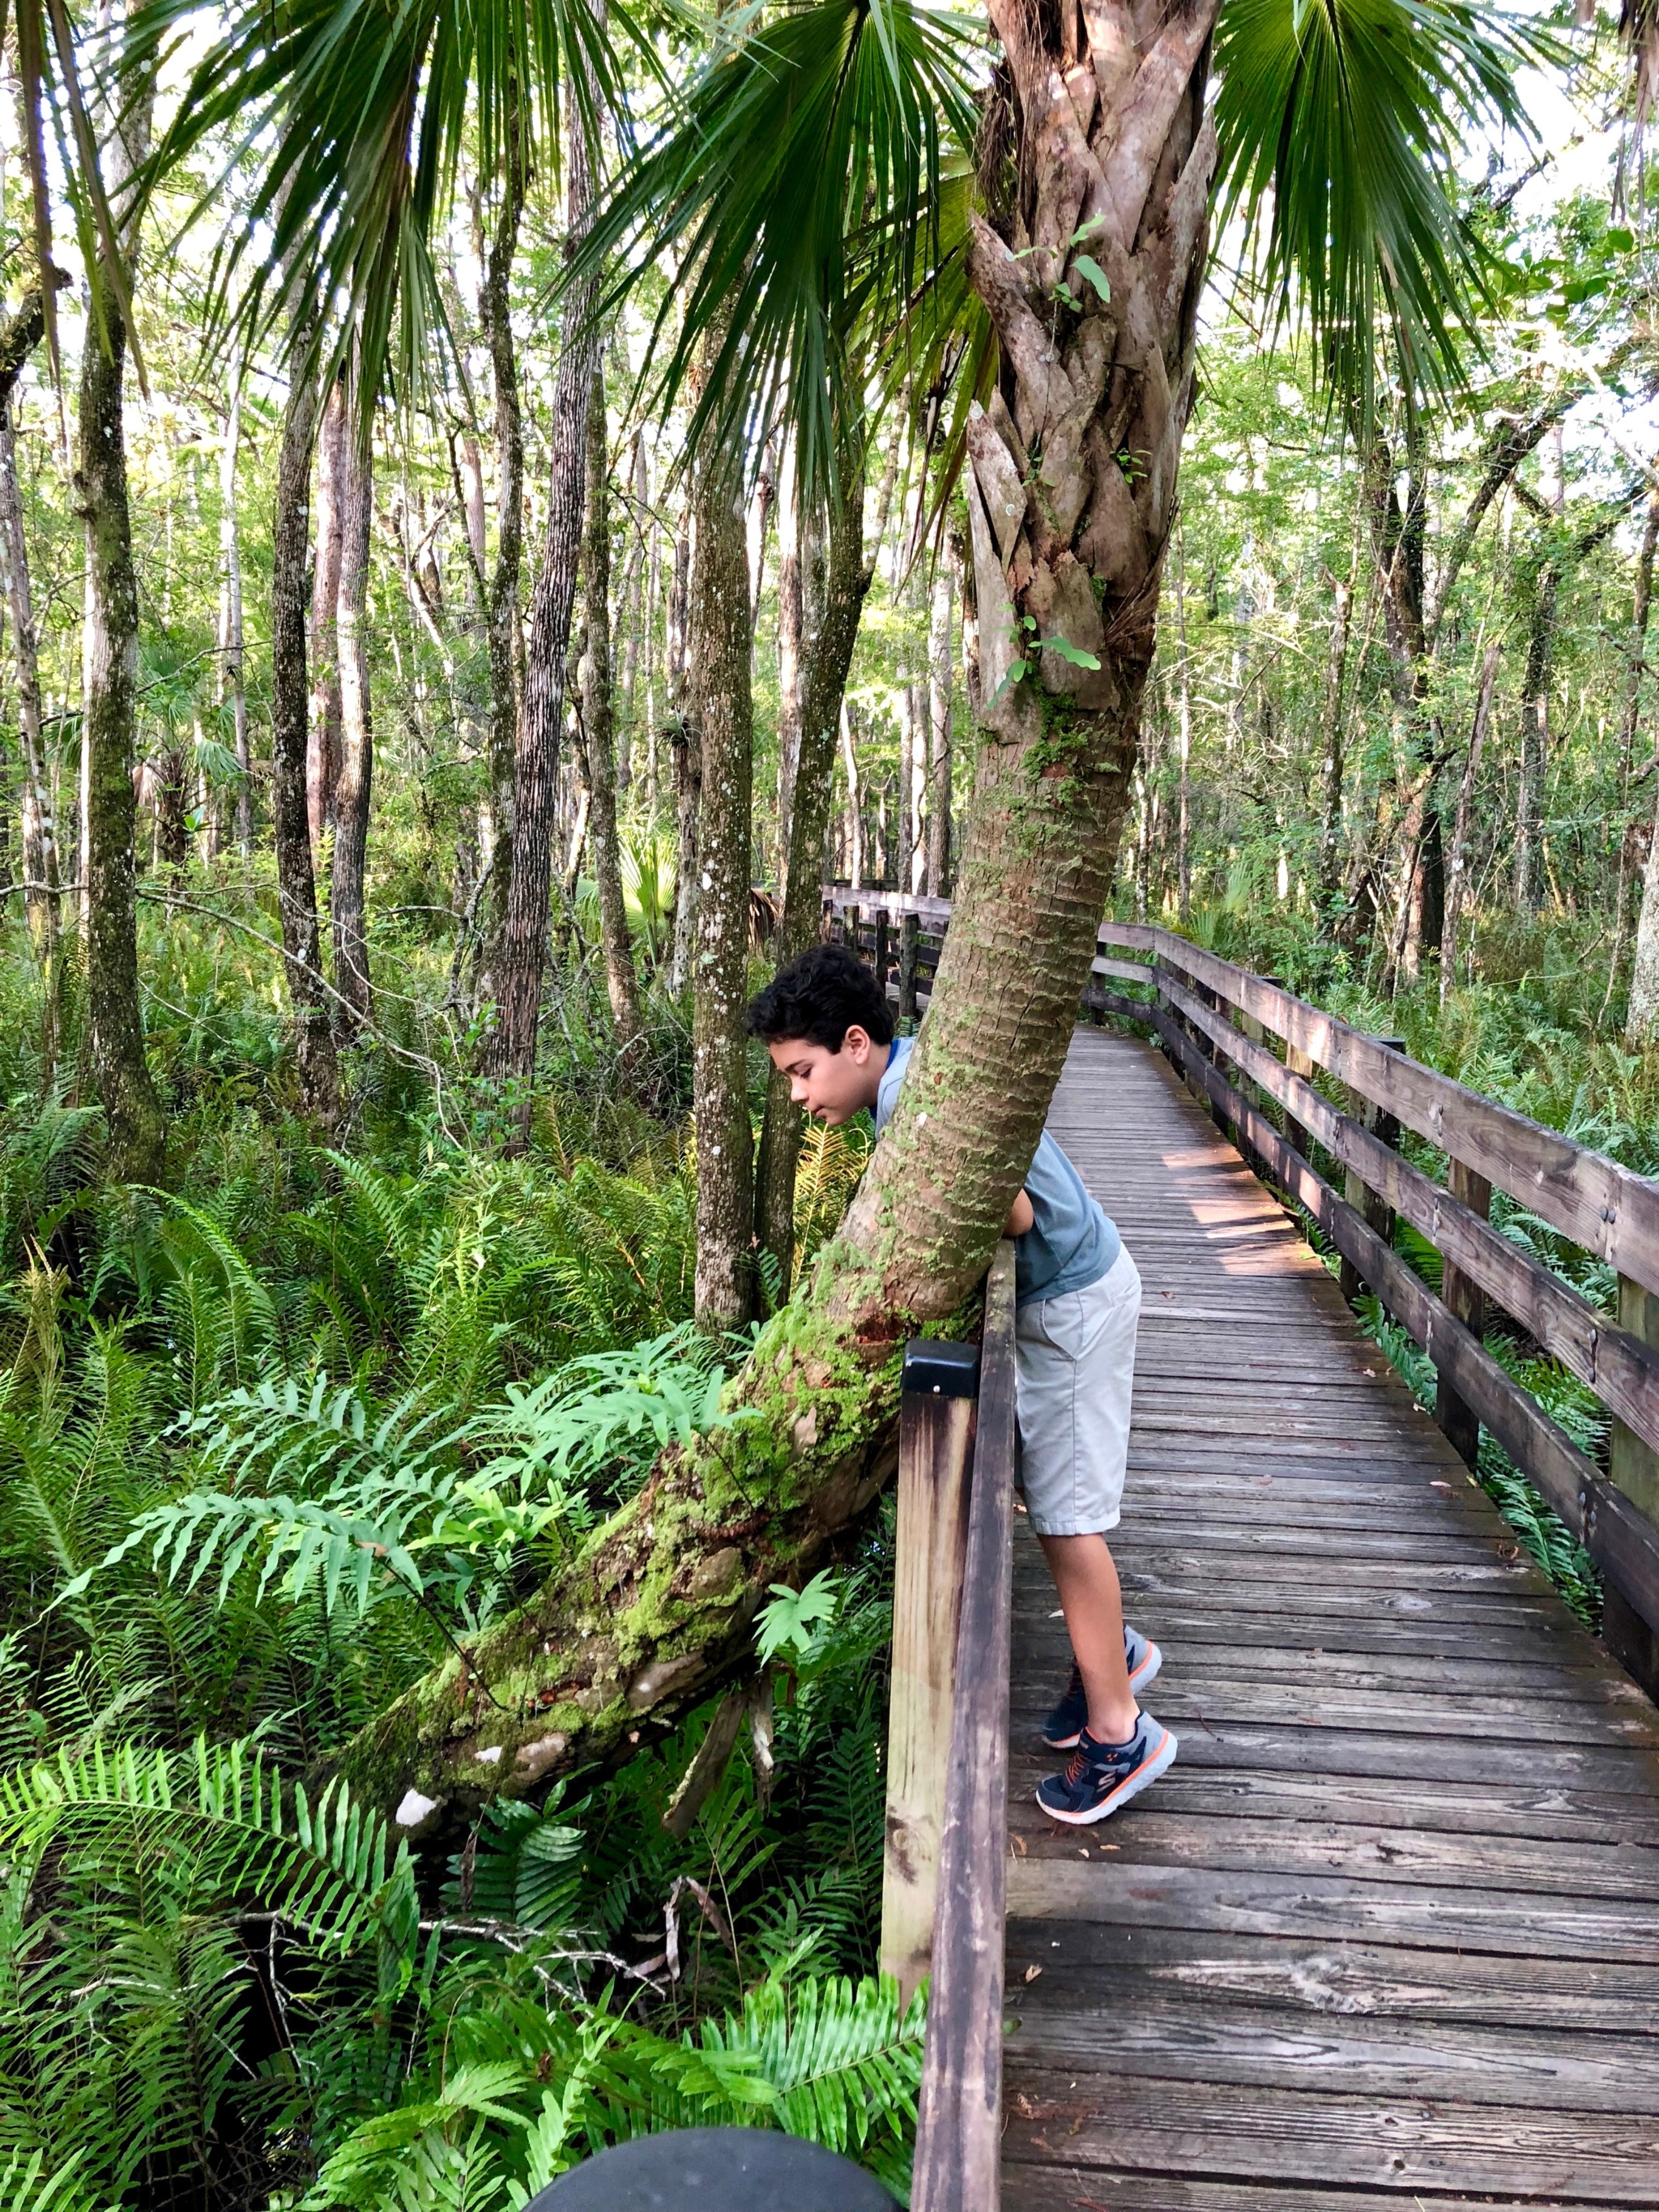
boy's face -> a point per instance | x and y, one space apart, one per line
832 1086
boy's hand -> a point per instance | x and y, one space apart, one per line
1020 1216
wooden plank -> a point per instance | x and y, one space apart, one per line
1358 1979
1304 2135
959 2112
931 1543
1034 2189
1182 2037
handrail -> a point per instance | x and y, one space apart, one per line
959 2116
1206 1010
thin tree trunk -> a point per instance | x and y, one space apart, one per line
653 601
688 768
847 583
941 661
1184 823
40 840
323 740
791 636
1331 748
854 799
598 718
132 1111
1457 871
718 652
633 574
1534 734
354 788
494 304
232 683
523 958
1629 721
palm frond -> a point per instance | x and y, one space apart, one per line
1336 124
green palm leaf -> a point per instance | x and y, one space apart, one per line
1337 121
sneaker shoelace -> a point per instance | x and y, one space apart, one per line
1081 1765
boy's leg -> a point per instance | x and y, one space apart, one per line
1086 1581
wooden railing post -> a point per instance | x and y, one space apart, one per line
1299 1063
936 1427
1370 1205
850 924
909 931
1633 1468
882 953
1466 1302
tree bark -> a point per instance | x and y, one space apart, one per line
598 720
323 740
510 1049
719 652
849 753
296 884
941 661
683 746
846 584
657 1610
40 840
1331 748
1184 795
233 686
495 303
1457 872
354 786
792 635
132 1111
1534 732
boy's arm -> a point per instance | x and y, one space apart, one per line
1020 1216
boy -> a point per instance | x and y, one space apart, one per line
1077 1301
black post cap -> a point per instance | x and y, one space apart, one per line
933 1369
727 2169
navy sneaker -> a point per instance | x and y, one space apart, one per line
1065 1724
1102 1778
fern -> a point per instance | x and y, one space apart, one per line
30 2183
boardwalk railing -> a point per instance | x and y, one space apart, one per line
1321 1107
947 1785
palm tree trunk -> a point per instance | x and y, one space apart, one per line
522 959
296 884
676 1576
792 637
599 718
495 301
323 740
845 586
718 637
137 1133
354 788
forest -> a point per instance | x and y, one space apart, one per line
497 507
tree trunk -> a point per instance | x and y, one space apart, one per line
718 640
40 840
1629 722
633 578
296 884
233 687
658 1607
1184 825
599 720
1534 733
137 1133
1331 749
683 745
1456 874
941 662
854 799
494 304
522 960
847 583
322 741
792 635
353 788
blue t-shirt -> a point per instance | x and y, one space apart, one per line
1070 1243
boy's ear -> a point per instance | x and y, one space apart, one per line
856 1043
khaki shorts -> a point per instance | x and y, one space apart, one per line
1075 1360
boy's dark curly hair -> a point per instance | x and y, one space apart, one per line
818 998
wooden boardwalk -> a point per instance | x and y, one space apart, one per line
1389 1930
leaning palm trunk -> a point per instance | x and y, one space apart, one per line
657 1609
137 1135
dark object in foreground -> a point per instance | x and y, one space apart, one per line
738 2169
